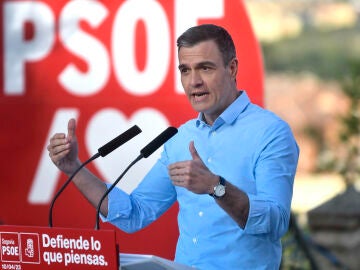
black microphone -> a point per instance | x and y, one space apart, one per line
119 140
144 153
102 151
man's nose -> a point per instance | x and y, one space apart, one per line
196 79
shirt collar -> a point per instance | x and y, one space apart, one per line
231 113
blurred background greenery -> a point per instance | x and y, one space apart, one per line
311 48
311 52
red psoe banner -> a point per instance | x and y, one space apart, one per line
31 248
109 65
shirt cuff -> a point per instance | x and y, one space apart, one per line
118 205
259 217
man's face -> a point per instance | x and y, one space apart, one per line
208 84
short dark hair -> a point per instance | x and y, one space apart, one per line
206 32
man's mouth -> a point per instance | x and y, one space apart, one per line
199 94
199 97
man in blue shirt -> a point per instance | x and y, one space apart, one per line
231 169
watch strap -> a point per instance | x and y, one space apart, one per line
222 182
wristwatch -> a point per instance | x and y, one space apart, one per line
219 189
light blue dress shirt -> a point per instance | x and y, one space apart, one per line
250 147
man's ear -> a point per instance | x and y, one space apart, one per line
233 68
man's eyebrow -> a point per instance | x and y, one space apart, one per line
181 66
199 65
206 63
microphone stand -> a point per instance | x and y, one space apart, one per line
65 185
112 187
102 151
144 153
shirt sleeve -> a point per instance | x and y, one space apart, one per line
153 196
275 169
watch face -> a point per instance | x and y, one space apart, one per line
219 191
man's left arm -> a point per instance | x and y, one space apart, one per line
268 210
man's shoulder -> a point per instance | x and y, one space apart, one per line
263 114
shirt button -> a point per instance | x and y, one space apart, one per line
209 160
213 133
194 240
201 214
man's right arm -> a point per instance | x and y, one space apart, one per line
63 151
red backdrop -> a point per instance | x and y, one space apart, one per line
109 64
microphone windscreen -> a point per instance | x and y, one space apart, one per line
119 140
158 141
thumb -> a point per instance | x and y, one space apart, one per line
71 129
193 151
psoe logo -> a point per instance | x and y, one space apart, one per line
20 247
10 251
30 248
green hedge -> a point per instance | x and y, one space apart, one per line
326 54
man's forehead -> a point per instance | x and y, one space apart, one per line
199 52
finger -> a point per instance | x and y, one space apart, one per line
71 129
58 143
178 179
56 137
55 141
178 165
57 157
176 174
193 152
55 150
178 183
